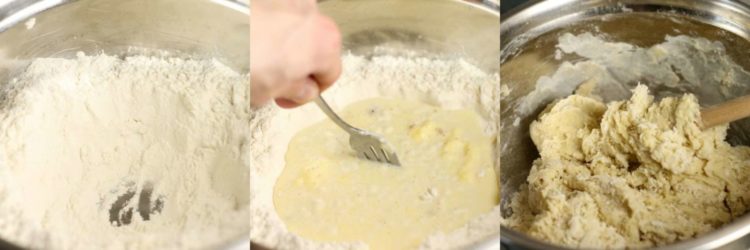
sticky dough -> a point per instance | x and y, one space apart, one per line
447 178
629 174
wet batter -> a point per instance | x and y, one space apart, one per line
446 179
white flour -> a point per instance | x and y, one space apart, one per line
100 152
449 84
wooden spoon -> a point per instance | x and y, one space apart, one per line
726 112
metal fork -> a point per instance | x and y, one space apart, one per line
368 145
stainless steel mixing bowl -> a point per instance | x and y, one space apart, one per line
431 28
528 39
195 28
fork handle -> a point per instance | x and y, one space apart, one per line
323 105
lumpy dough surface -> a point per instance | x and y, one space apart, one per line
629 174
446 176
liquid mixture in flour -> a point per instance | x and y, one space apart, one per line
326 193
420 91
101 152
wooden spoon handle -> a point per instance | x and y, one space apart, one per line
726 112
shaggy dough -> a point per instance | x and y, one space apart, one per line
447 178
629 174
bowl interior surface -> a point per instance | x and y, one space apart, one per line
445 28
207 29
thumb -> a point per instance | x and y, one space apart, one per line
299 93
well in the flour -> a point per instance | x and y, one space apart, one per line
441 116
134 201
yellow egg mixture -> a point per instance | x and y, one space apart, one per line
446 177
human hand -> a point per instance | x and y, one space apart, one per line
295 52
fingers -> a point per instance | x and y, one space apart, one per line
259 94
298 94
328 60
326 65
293 57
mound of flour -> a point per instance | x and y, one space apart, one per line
450 84
100 152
